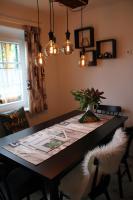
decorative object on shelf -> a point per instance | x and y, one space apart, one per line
51 48
88 97
106 49
84 37
40 58
67 47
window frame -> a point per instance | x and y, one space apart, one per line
23 62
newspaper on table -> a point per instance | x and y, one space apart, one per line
43 144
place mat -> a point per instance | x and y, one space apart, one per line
43 144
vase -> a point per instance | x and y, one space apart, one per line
90 107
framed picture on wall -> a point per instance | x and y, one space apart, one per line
84 37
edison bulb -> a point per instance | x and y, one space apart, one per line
40 59
50 48
67 47
55 49
82 61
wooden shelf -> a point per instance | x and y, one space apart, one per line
106 49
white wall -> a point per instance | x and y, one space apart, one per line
110 19
113 76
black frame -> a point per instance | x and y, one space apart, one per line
77 33
92 62
105 54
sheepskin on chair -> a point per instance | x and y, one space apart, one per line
109 157
77 183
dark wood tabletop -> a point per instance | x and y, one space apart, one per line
57 165
54 168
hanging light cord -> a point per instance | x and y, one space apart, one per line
81 17
53 14
38 17
67 19
38 14
82 23
50 16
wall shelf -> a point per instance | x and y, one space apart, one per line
106 49
91 57
84 37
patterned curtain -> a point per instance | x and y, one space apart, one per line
36 74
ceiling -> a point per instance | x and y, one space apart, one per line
44 4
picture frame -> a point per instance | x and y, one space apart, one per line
86 35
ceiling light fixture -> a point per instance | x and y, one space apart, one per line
56 48
51 47
40 59
67 47
82 61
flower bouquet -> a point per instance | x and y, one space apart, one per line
88 98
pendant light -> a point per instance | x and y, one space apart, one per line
56 48
40 59
51 47
67 47
82 61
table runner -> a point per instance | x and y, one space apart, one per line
43 144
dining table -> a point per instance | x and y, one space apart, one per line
54 168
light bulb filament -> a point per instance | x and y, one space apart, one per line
82 61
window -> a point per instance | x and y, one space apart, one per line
13 91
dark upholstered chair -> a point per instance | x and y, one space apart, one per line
19 183
124 168
108 109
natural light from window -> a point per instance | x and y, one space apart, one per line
10 73
13 69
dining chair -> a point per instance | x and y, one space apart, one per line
108 109
102 186
19 183
96 189
124 167
97 167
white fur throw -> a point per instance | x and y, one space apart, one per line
77 183
109 155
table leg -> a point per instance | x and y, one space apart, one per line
53 189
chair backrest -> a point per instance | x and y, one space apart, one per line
104 180
105 160
109 109
129 132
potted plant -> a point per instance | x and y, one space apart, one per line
88 97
